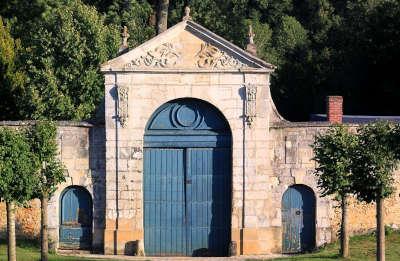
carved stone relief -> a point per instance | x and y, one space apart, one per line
250 110
163 56
211 57
123 91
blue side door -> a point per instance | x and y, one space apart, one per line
76 219
298 220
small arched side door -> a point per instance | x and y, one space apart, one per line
298 219
76 218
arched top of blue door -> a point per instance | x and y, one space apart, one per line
76 207
187 122
303 193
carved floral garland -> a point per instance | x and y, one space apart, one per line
163 56
250 109
167 56
123 104
210 56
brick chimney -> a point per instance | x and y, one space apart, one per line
334 107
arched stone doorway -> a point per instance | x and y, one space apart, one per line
187 180
76 217
298 219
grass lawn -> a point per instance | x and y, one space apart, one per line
361 248
29 251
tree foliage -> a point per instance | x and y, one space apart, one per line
135 15
374 161
334 150
12 79
43 143
321 47
18 166
361 164
63 63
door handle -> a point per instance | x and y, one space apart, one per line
188 181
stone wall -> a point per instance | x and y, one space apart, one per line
290 156
362 216
27 221
82 150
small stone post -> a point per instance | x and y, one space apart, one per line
251 46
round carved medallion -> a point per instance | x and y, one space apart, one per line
185 116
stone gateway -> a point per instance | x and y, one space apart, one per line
193 159
187 180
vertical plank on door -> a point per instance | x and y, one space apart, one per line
164 202
208 201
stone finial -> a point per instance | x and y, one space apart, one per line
251 34
251 46
187 14
124 45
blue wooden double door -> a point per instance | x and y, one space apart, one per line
76 218
298 219
187 182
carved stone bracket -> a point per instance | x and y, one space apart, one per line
123 91
250 109
211 57
163 56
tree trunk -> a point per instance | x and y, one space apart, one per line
344 236
44 250
12 256
380 230
162 15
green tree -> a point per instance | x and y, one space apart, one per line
332 47
62 61
334 150
291 42
133 14
44 146
17 177
263 41
12 79
290 36
227 18
23 14
374 162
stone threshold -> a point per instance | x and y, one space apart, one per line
143 258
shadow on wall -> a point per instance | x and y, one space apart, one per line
97 165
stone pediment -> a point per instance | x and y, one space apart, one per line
186 46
